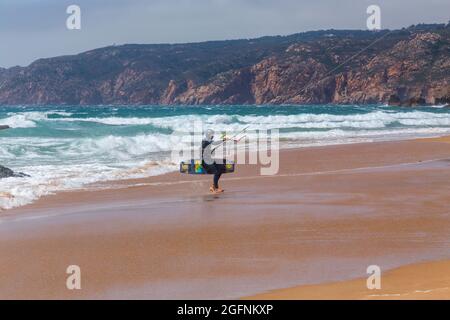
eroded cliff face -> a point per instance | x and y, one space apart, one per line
407 67
414 71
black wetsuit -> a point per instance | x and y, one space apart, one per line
210 165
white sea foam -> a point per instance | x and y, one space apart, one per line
28 119
49 179
18 121
69 162
376 119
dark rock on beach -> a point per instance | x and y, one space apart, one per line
406 67
8 173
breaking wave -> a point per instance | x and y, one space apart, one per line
68 148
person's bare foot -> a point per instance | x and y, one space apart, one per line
216 190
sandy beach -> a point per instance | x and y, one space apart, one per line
313 228
420 281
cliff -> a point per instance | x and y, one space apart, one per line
407 67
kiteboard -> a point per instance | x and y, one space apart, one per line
196 167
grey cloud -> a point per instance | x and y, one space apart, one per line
31 29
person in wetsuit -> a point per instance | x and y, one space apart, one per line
210 165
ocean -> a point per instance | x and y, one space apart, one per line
72 147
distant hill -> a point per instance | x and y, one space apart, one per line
407 67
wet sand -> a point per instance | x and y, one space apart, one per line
425 281
329 213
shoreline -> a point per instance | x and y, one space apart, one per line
422 281
172 176
329 213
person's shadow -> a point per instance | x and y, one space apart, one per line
211 197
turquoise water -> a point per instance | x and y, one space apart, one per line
67 147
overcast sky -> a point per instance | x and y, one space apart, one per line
32 29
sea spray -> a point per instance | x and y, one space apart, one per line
73 147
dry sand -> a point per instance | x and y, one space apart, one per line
329 213
421 281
